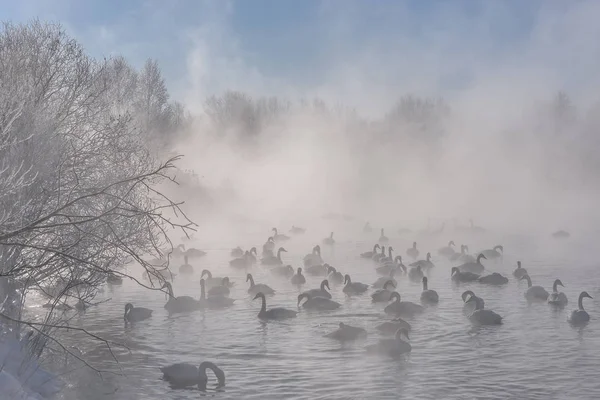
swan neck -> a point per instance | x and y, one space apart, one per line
424 285
263 307
580 302
251 280
555 287
202 291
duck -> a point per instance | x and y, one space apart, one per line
494 279
428 295
519 272
181 303
317 303
423 263
481 316
135 314
458 276
184 374
213 301
213 281
413 252
389 328
329 241
381 295
296 230
277 313
402 308
370 254
351 288
279 237
416 274
468 308
186 268
321 292
367 228
194 253
260 287
493 254
237 252
392 347
285 271
274 260
388 267
389 258
221 290
476 267
113 279
382 237
334 276
379 256
580 316
298 278
447 251
534 292
557 298
347 333
313 258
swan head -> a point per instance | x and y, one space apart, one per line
558 282
395 295
330 269
388 283
347 279
299 271
128 307
225 281
206 272
398 259
377 246
203 379
518 264
480 256
248 277
259 295
342 325
451 243
274 230
253 250
428 256
499 247
271 239
281 249
325 284
468 293
583 295
302 296
424 281
400 332
454 270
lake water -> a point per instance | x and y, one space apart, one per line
535 354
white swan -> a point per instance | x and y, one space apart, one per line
213 280
317 303
260 287
389 258
380 282
317 270
213 302
494 279
428 295
279 237
458 276
241 262
402 308
296 230
447 251
184 374
329 241
389 328
474 267
298 279
534 292
186 268
468 308
274 260
313 258
383 238
135 314
194 253
379 256
353 287
321 292
181 303
392 347
481 316
285 271
580 316
273 313
423 263
413 252
384 294
557 298
268 247
347 333
388 267
416 274
334 275
221 290
370 254
519 272
237 252
493 254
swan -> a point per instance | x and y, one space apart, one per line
252 256
580 316
181 303
458 276
370 254
241 262
448 250
194 253
402 308
367 228
389 258
184 374
298 278
273 313
296 230
285 271
113 279
534 292
378 256
493 254
481 316
213 281
321 292
494 279
474 267
272 260
561 234
186 268
279 237
416 274
329 240
213 301
428 295
389 328
455 256
557 298
317 270
176 251
317 303
353 287
221 290
269 246
392 347
260 287
347 333
134 314
237 252
468 308
388 267
381 295
334 276
379 283
313 258
423 263
519 272
413 252
464 257
382 237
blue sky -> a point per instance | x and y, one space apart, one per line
345 45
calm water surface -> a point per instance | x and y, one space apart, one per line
535 354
